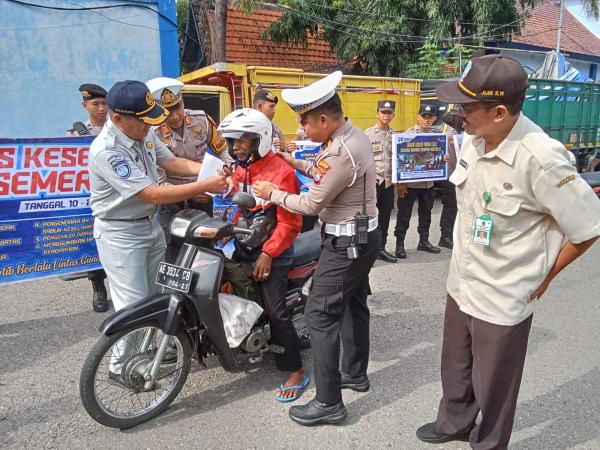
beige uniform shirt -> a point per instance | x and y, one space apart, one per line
198 133
421 184
339 173
277 133
538 201
381 144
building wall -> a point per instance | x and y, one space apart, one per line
46 54
533 61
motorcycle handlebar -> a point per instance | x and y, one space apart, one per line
241 230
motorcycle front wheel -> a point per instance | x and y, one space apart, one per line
114 386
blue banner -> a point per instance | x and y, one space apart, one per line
46 227
307 151
419 157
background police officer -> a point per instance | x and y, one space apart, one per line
454 121
125 192
94 103
381 143
188 134
344 185
265 102
421 191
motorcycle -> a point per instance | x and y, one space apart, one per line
142 360
593 179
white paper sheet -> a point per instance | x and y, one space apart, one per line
211 166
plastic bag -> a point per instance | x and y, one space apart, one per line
238 316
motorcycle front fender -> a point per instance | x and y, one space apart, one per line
164 310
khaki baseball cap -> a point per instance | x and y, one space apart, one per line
489 78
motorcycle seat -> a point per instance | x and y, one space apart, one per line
592 178
307 247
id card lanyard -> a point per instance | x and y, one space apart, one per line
482 231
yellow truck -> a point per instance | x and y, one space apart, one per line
222 87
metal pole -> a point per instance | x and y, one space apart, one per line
560 24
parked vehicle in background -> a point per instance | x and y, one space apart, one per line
568 111
222 87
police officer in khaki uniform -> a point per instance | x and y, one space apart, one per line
188 134
265 102
125 192
421 191
94 102
344 185
524 214
381 143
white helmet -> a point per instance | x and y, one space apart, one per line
248 121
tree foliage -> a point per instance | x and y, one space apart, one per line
382 36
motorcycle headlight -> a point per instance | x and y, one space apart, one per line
179 226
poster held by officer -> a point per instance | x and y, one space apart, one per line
307 151
46 226
419 157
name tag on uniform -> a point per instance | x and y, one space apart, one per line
377 148
482 231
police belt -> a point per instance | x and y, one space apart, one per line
141 219
346 229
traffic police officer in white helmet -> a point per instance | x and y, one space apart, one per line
343 196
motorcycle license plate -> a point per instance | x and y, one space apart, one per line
174 277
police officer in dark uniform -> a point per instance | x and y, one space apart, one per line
454 121
95 104
344 187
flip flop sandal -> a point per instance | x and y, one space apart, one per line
283 389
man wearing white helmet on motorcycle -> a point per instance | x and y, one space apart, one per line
249 136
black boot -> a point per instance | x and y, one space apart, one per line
426 246
315 412
400 252
446 241
100 300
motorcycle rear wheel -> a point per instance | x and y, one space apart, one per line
102 391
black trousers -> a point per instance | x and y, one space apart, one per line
337 309
482 366
405 207
283 333
167 212
96 275
449 208
385 205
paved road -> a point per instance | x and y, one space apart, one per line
47 327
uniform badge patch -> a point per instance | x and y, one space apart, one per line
323 166
564 181
120 165
149 99
197 128
149 145
166 130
